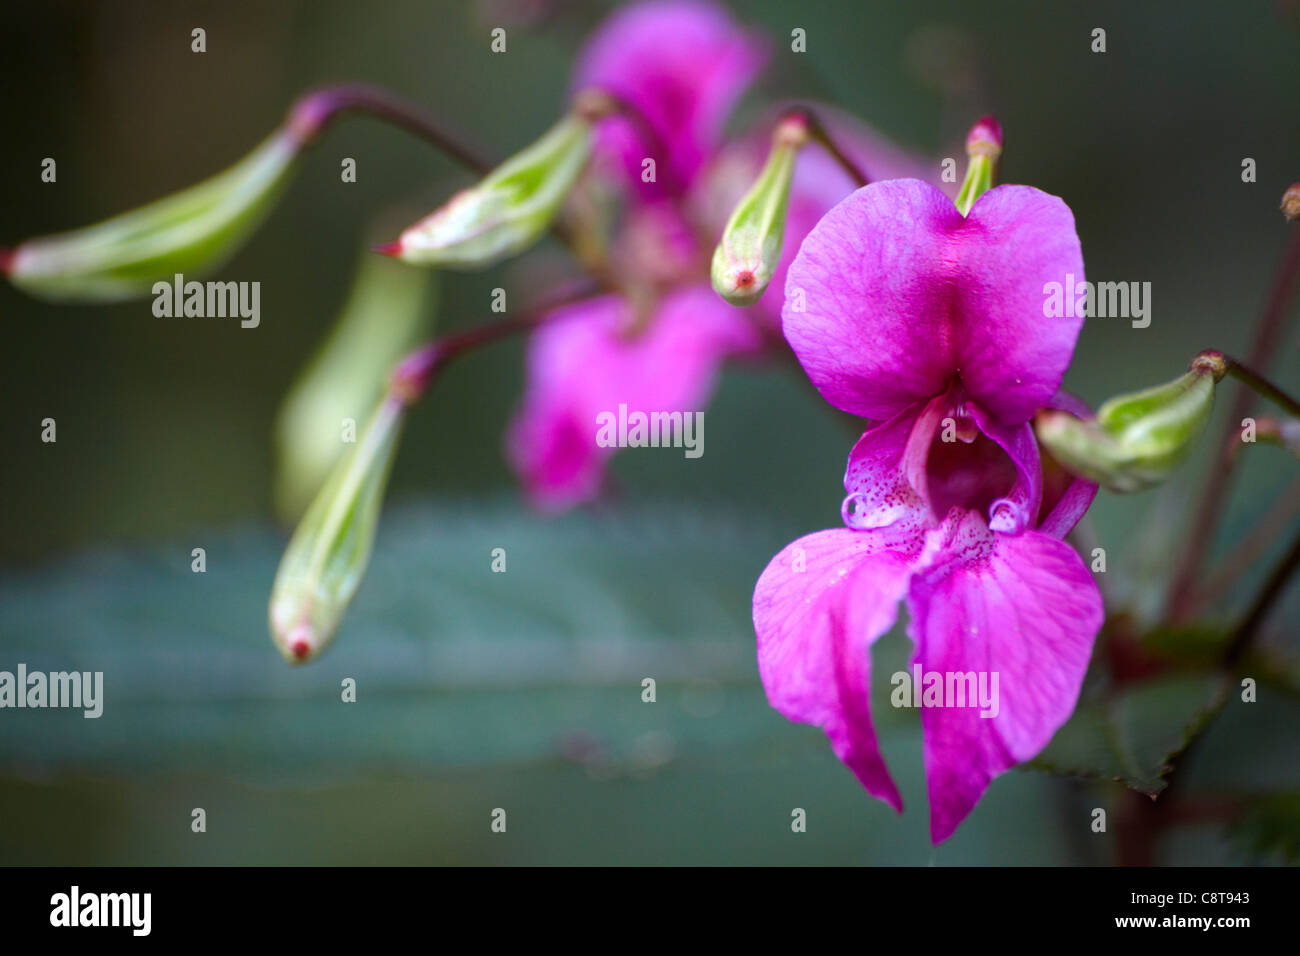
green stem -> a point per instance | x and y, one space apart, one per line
979 180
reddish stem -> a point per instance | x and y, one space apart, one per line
316 109
1212 505
412 375
818 131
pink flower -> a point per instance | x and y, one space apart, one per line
900 309
585 361
681 64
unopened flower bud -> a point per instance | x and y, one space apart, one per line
1136 440
983 147
190 232
750 250
1291 202
985 138
328 553
510 209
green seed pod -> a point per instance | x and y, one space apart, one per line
750 248
1136 440
328 553
508 211
192 232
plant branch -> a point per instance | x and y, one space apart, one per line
1261 385
316 109
412 375
1249 549
817 129
1263 603
1204 524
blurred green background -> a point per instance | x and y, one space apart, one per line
522 690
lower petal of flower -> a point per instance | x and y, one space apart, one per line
818 607
1021 607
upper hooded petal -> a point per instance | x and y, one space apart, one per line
820 182
1022 606
818 607
582 362
681 64
894 296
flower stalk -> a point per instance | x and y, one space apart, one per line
317 109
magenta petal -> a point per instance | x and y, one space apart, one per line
885 477
1012 356
820 182
581 364
818 607
680 64
861 312
894 296
1018 511
1069 508
1023 606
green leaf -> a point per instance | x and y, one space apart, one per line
456 666
1134 735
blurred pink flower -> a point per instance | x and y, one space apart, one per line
681 64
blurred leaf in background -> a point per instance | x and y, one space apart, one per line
522 688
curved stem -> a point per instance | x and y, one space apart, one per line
817 129
317 109
412 375
1262 386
